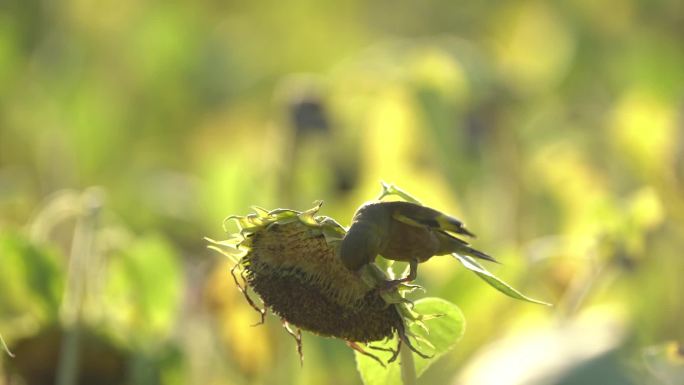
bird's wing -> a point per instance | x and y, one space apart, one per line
421 216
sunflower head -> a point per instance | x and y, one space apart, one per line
290 259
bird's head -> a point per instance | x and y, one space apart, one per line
359 246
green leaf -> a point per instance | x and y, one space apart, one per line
470 264
145 287
390 189
444 331
31 278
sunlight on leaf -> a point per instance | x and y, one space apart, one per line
145 286
494 281
391 189
4 346
444 331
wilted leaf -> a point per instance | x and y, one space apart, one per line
493 280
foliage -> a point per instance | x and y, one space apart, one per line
552 128
444 330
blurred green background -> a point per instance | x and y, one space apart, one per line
130 129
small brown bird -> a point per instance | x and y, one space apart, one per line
402 231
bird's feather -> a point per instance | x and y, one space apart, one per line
450 244
421 216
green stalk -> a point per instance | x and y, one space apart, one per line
81 258
408 366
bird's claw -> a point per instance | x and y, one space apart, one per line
388 286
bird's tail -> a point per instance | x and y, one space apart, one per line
450 244
477 254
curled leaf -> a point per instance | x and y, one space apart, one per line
493 281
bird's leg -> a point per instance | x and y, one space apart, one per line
391 284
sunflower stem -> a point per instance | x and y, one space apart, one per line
408 366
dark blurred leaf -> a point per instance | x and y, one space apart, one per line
101 360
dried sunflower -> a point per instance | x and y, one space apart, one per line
290 259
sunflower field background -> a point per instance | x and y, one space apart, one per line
130 129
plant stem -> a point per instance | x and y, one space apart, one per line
79 277
408 367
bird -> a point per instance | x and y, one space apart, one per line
403 231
